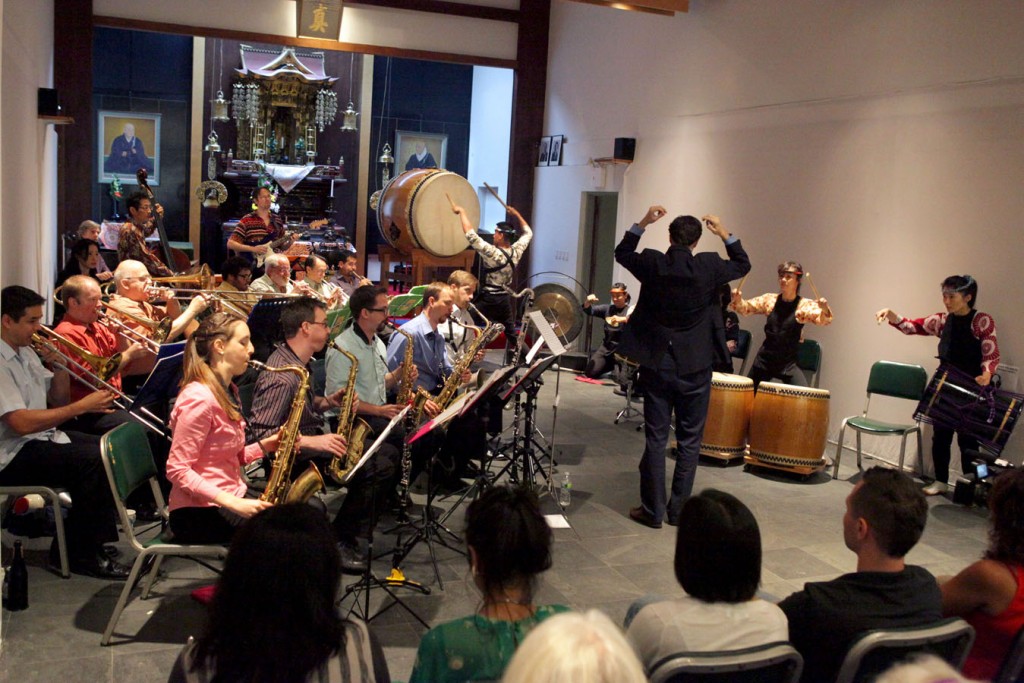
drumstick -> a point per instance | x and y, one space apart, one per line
739 287
450 200
497 197
813 288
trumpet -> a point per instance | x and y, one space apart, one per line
94 372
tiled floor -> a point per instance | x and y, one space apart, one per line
605 560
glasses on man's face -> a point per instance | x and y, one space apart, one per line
378 310
319 322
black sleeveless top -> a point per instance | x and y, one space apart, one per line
781 336
958 345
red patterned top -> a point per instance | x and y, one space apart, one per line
983 328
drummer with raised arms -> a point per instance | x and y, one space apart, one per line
787 313
499 263
967 341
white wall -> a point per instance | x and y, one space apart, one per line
490 128
28 176
879 144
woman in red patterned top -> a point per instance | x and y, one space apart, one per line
967 341
989 594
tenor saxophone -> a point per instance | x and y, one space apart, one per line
351 428
279 487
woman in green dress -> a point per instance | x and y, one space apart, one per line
509 546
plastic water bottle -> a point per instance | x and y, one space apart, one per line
565 491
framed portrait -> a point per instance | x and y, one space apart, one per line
545 151
555 158
419 150
128 141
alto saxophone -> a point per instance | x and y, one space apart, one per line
405 391
280 489
463 362
351 428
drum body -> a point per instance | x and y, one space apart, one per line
413 211
725 431
789 425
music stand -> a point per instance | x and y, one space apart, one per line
529 384
163 382
369 580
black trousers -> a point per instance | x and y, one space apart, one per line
942 439
499 309
77 467
601 361
205 525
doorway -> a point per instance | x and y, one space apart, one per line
597 255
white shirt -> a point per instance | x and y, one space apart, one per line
687 624
24 383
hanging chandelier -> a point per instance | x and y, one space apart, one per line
326 108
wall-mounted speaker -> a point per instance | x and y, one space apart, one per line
625 148
48 103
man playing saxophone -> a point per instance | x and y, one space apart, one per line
304 325
465 438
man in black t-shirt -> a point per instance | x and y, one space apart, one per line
885 517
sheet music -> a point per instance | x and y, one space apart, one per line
443 417
368 453
547 333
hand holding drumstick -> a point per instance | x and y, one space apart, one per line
886 315
821 300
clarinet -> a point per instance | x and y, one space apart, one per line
521 339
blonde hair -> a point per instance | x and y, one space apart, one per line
197 368
922 669
579 647
461 278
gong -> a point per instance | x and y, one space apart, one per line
562 309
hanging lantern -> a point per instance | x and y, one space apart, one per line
219 107
385 161
348 120
212 143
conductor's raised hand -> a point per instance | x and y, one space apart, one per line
654 213
714 225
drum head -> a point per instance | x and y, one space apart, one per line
561 308
434 227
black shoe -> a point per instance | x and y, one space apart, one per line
352 561
640 515
147 513
101 567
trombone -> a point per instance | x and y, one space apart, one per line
94 372
203 279
160 329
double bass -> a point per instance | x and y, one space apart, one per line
175 259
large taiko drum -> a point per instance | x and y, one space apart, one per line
725 431
413 211
789 426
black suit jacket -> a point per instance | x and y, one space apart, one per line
678 299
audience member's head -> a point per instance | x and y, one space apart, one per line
577 647
1006 503
264 623
886 508
718 548
922 669
509 541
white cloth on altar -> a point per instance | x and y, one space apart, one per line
287 175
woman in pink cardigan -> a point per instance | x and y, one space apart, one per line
209 498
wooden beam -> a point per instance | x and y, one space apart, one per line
312 43
451 8
663 7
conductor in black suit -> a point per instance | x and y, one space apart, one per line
671 336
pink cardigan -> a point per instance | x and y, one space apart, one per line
207 450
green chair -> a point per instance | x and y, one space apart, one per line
129 464
899 380
808 359
742 350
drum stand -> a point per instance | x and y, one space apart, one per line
629 412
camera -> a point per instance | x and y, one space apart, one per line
976 486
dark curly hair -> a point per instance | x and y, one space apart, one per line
1006 503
